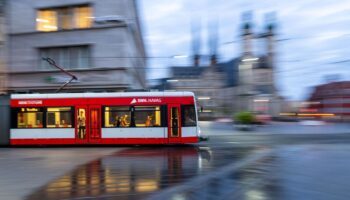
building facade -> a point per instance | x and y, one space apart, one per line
213 85
245 83
331 101
3 69
256 89
99 42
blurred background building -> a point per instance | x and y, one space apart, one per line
98 41
331 101
2 49
245 83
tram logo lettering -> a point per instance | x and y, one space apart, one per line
143 100
31 102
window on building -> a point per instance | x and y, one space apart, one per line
72 57
29 118
64 18
188 116
83 17
147 116
46 20
117 116
59 117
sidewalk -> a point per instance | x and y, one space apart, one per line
23 170
209 128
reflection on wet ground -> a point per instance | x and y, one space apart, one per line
250 179
137 172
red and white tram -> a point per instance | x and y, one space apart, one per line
103 118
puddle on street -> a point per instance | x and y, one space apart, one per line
135 173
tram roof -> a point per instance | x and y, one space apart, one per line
102 95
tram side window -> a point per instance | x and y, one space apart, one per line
30 118
188 116
147 116
59 117
117 116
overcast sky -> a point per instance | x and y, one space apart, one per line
313 35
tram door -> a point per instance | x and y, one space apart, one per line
174 123
88 124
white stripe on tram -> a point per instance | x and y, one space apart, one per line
44 133
189 131
155 132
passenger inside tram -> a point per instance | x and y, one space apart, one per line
81 124
64 123
124 121
148 121
117 121
39 124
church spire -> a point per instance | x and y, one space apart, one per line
247 34
196 41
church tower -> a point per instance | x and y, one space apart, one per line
247 34
196 42
270 27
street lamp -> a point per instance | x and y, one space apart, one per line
249 59
204 98
172 80
179 56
